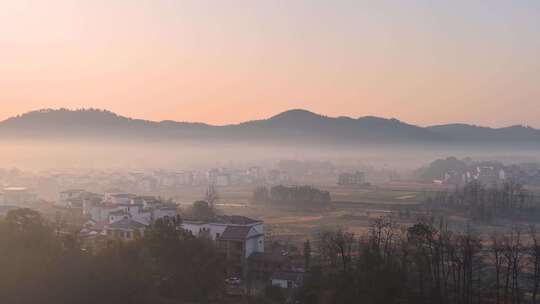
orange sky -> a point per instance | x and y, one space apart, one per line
230 61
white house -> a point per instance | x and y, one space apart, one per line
287 279
236 236
126 229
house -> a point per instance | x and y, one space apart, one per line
239 243
123 216
99 211
287 279
146 201
120 198
238 237
75 198
125 229
489 175
70 194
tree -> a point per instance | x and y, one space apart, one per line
211 196
534 252
307 254
261 195
201 210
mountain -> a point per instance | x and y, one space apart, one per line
293 126
464 132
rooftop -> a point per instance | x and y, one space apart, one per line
235 220
235 233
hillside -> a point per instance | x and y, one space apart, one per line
295 126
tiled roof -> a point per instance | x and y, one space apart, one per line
235 233
235 220
126 224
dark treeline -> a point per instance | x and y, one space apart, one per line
479 202
294 195
167 265
424 263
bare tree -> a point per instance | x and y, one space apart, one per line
211 196
496 252
534 252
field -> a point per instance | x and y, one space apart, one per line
351 208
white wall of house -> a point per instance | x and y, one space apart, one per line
164 212
254 244
101 213
143 217
279 283
116 217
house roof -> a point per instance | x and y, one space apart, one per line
235 220
235 233
126 223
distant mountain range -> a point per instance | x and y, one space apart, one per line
293 126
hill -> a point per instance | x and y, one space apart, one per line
294 126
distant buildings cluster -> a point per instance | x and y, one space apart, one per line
115 215
156 181
494 174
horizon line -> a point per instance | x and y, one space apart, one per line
44 110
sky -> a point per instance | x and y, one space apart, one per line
422 61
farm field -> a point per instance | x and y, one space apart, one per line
351 209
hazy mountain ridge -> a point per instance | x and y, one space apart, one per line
294 125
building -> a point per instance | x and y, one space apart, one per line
120 198
238 237
125 229
70 194
489 175
116 207
75 198
287 279
352 179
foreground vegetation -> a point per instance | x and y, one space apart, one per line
424 263
39 264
